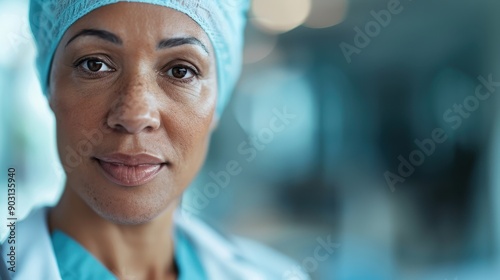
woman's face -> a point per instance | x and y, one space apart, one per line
133 88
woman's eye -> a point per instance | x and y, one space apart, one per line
95 65
180 72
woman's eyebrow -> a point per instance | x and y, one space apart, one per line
165 43
174 42
103 34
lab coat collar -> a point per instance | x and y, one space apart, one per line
35 258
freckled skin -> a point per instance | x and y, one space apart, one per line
135 108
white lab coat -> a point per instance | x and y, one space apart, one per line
222 258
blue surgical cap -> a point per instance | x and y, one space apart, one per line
222 20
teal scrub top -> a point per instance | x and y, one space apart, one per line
76 263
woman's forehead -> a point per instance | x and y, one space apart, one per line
140 22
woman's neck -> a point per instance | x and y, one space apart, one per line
129 251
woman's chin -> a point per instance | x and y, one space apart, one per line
129 208
135 215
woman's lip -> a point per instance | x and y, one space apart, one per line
129 175
129 159
130 169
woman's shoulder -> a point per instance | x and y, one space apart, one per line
234 257
32 249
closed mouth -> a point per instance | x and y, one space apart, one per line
128 170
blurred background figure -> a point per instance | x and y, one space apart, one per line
363 139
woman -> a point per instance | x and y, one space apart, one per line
136 88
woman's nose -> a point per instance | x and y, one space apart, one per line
134 111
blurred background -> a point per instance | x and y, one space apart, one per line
368 129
